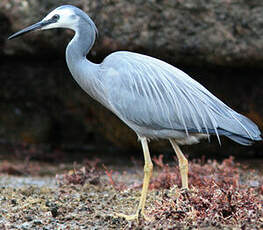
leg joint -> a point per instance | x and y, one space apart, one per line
148 167
183 164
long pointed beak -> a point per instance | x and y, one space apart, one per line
33 27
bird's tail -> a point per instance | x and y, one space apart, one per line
242 140
243 131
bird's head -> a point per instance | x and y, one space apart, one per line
65 16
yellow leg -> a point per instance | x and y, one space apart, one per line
183 164
148 166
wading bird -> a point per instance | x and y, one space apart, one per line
154 98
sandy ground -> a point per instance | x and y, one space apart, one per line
87 195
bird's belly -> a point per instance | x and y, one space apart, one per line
179 136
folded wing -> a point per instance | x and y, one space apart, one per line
155 95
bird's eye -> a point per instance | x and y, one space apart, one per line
56 17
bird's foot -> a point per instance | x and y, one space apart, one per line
184 189
128 217
136 216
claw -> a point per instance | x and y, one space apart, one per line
128 217
184 190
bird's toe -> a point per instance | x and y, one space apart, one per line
135 217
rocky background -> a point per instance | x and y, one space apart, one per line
217 42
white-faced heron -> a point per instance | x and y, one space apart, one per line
152 97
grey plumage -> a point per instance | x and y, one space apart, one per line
158 99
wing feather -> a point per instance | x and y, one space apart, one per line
155 95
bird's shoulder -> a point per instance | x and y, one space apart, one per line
141 66
124 59
124 56
136 67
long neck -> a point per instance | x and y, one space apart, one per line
86 73
81 43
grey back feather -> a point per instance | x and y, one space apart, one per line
152 94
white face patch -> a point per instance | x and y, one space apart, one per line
67 19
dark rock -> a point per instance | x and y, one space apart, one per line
54 212
219 44
29 218
14 202
189 32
